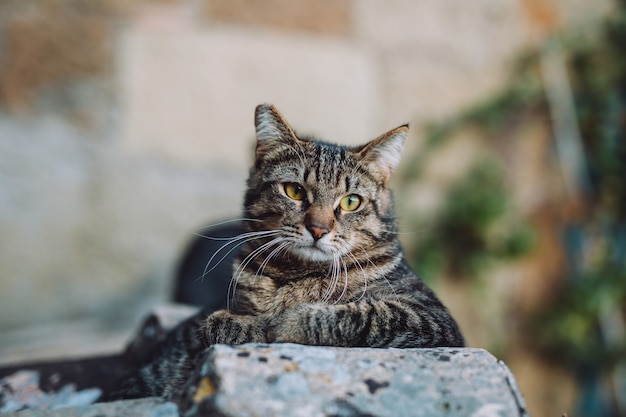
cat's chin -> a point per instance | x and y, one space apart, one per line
313 254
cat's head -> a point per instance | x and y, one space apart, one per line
323 200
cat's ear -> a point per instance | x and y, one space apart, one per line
382 155
272 130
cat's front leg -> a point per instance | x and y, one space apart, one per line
232 329
303 324
398 322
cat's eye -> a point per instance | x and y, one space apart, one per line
294 191
350 202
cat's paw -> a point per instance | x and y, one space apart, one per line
231 329
293 326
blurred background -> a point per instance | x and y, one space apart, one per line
125 126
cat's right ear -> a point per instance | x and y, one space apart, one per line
272 130
382 155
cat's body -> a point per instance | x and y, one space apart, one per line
320 264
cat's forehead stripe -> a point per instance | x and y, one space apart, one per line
291 164
330 165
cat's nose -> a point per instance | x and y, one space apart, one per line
316 231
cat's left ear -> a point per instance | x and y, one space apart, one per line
382 155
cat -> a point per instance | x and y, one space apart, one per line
320 262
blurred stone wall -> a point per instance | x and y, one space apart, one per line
127 125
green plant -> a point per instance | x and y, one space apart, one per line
576 328
471 231
583 326
573 331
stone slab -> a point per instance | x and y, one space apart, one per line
294 380
287 380
145 407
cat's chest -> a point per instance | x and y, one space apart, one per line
270 297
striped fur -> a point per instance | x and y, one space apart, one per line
311 272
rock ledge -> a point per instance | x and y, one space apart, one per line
314 381
294 380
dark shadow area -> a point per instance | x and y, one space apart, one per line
201 279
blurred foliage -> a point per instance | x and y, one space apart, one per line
471 231
478 227
494 116
577 329
585 326
584 323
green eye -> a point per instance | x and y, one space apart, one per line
294 191
350 202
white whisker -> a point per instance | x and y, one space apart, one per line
380 273
414 232
237 242
345 282
274 253
334 277
243 265
226 222
358 264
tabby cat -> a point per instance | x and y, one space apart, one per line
320 262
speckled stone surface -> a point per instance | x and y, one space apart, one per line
145 407
293 380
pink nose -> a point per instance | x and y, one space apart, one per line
317 232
